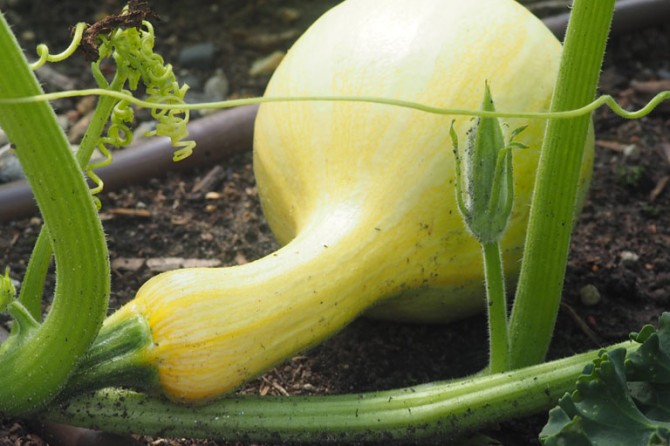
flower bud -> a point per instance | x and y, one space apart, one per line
485 190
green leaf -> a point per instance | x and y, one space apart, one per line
619 399
651 362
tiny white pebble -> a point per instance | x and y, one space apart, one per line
631 151
28 36
628 257
589 295
267 64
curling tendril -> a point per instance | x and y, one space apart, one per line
43 50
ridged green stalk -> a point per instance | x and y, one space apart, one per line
33 281
554 201
429 411
32 375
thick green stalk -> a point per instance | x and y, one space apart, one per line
33 281
32 375
447 408
497 308
554 199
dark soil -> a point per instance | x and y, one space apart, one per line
621 245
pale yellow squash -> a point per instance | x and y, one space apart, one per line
361 194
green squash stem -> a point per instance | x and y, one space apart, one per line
32 375
555 195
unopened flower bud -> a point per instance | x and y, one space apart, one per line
485 190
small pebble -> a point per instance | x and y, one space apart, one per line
28 36
632 152
191 79
240 259
197 56
589 295
288 15
10 167
628 258
127 264
267 64
217 86
270 41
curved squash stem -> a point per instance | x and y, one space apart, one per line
33 281
34 368
554 198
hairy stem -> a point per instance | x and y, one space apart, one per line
497 308
33 282
421 412
32 375
554 198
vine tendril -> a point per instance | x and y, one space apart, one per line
604 100
163 88
118 135
131 48
43 50
129 39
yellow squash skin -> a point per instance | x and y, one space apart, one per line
361 195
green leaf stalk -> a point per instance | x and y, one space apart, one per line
554 200
35 366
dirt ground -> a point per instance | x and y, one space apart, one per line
621 245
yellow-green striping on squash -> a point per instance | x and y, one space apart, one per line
361 195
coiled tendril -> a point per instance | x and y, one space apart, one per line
134 56
132 51
131 47
118 134
43 50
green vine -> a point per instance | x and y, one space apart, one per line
604 100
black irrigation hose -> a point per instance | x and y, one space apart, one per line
222 134
630 15
218 136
